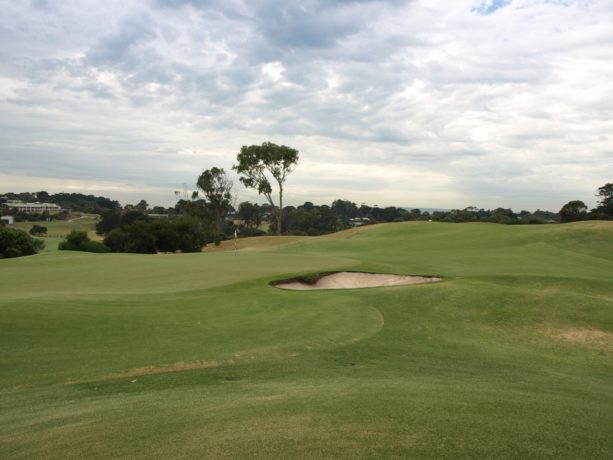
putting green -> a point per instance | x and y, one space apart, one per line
196 355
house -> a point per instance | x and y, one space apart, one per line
10 220
32 208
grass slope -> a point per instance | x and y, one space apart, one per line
195 355
57 230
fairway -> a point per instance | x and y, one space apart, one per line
197 355
57 230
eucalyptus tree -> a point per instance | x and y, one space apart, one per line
257 162
216 187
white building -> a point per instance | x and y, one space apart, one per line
32 208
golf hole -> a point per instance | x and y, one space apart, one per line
351 280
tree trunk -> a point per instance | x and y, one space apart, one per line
280 217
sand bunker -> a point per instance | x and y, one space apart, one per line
353 280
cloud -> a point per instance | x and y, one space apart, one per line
497 97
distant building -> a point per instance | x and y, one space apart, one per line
8 219
32 208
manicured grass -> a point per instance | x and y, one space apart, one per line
196 355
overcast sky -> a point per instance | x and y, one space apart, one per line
431 103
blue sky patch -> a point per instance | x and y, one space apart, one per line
490 6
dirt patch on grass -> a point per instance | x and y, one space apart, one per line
586 337
352 280
149 370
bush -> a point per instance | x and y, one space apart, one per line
148 237
38 230
79 241
17 243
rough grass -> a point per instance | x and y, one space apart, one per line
253 243
59 229
195 355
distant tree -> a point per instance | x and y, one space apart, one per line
309 219
112 219
83 203
132 216
307 206
109 220
185 234
163 210
502 216
345 210
573 211
256 161
135 237
142 205
606 193
389 214
192 234
605 208
194 208
250 214
42 196
216 187
546 216
26 197
78 240
365 211
17 243
117 239
415 214
38 230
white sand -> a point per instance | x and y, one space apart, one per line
353 280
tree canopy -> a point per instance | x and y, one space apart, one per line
257 162
605 208
573 211
216 187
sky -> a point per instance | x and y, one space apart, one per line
418 103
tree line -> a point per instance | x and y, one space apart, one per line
75 202
210 215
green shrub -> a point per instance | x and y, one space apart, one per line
17 243
79 241
38 230
148 237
